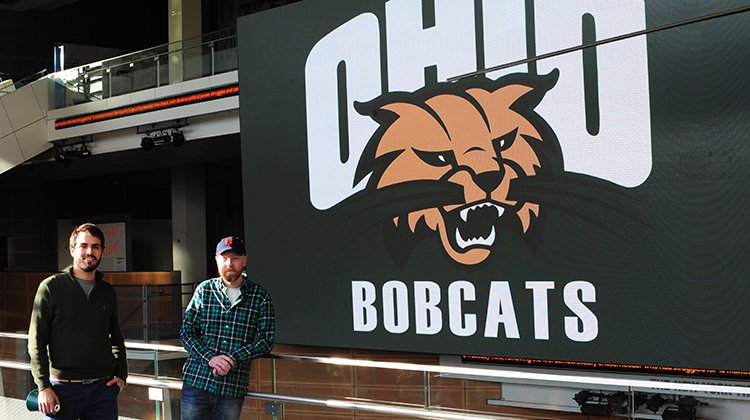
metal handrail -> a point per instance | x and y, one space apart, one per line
381 408
30 78
205 39
149 346
81 79
481 373
132 379
330 403
505 373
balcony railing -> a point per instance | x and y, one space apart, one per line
163 65
386 385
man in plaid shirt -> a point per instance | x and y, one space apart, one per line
228 323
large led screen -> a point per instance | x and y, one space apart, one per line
462 177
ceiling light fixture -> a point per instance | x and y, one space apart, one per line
177 138
64 153
156 136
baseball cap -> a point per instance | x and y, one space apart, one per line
230 243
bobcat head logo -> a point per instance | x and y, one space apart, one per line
478 136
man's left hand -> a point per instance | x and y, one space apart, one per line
120 383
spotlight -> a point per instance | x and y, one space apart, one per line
597 404
596 409
178 138
157 136
147 142
679 413
64 153
639 399
655 402
618 401
685 409
582 397
62 158
161 137
82 151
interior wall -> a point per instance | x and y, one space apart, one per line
151 245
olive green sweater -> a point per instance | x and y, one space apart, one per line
74 336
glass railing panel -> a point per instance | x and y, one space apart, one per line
349 384
119 80
134 403
252 409
224 55
447 392
16 383
262 375
159 66
14 386
314 380
384 385
169 407
147 72
160 364
163 69
313 412
150 313
15 378
195 63
77 86
13 348
485 398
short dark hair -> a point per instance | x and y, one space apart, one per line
91 228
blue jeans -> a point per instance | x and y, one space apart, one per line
95 401
198 404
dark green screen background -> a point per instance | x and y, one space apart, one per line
671 281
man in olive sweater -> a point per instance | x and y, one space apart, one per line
76 346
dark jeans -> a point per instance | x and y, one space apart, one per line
95 401
198 404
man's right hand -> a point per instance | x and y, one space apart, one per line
222 364
47 401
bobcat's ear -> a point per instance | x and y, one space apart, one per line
517 91
376 110
534 89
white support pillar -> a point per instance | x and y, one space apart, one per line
184 23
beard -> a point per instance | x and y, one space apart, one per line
229 276
83 265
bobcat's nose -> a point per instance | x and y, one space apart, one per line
489 181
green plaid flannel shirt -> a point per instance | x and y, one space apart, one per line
213 326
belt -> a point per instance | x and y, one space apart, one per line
77 381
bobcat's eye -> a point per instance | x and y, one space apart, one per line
505 141
436 158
